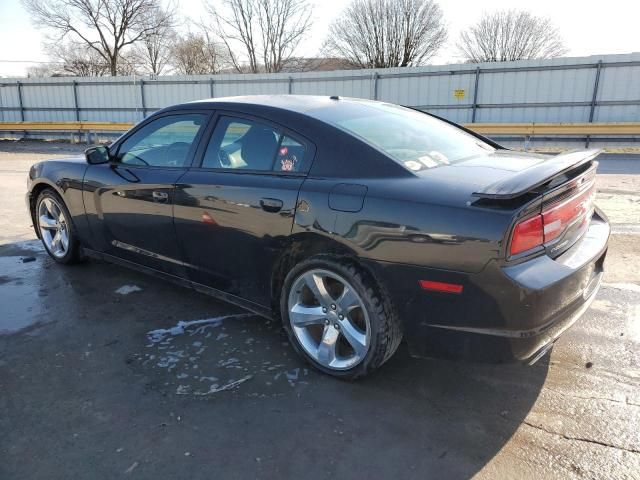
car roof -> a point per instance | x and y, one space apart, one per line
301 104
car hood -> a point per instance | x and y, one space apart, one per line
74 159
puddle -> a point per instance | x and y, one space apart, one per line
21 300
202 358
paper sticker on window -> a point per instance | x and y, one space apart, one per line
288 164
290 155
439 157
427 161
413 165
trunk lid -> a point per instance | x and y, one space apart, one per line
537 174
551 196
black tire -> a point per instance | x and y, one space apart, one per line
73 253
386 329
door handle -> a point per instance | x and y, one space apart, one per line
160 196
271 204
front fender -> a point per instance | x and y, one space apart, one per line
66 179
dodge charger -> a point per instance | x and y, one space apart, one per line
357 224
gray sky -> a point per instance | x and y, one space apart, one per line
588 27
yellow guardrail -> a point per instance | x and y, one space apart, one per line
65 126
532 129
517 129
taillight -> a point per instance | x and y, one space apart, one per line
528 234
552 222
557 218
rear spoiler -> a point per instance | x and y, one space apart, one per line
537 175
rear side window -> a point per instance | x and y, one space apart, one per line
164 142
243 144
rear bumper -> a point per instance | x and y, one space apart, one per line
504 313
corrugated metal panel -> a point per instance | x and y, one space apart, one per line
9 98
507 92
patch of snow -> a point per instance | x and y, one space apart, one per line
183 390
131 468
215 388
159 335
127 289
228 361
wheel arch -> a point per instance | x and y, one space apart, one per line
36 189
302 246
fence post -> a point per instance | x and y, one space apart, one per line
144 106
375 85
211 82
475 96
290 85
594 98
75 100
20 101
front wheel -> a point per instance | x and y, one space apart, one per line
337 317
56 229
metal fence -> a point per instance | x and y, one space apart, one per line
586 89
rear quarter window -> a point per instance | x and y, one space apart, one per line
415 140
291 156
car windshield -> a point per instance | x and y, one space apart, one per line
414 139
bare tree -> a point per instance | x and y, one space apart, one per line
508 35
197 54
74 59
153 52
261 35
105 26
43 70
387 33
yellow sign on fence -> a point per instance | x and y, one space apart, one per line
459 94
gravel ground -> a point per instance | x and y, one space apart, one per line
99 378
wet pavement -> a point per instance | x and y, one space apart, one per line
109 373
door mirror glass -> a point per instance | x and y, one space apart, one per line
97 155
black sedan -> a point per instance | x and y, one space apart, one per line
357 223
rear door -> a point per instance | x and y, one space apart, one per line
234 210
130 200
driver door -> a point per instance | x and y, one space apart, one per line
132 197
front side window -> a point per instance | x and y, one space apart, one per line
245 144
164 142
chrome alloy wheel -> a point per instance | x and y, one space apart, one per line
329 319
53 226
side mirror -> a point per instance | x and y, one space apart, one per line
97 155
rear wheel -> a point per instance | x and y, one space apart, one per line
337 318
55 228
